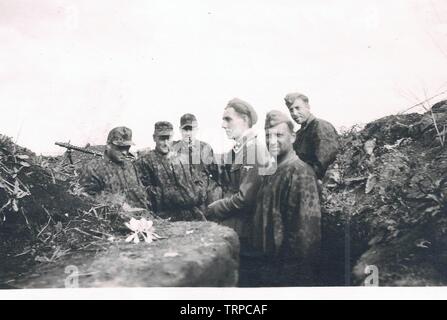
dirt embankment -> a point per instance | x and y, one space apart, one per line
386 200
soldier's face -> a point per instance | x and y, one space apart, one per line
188 132
299 111
279 140
117 154
234 124
163 144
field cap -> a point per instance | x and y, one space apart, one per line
274 118
120 136
243 107
163 128
188 120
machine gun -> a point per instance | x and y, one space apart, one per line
71 147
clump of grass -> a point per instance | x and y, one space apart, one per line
12 163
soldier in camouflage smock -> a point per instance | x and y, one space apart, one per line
317 140
199 155
287 217
115 174
175 191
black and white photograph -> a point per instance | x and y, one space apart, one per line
223 144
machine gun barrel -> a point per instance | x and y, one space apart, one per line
80 149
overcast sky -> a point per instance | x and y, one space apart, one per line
72 70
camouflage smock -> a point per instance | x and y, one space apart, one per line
286 223
173 189
200 156
103 176
317 144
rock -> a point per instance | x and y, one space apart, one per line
207 256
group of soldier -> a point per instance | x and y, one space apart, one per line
267 190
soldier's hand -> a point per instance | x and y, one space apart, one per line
216 211
213 212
